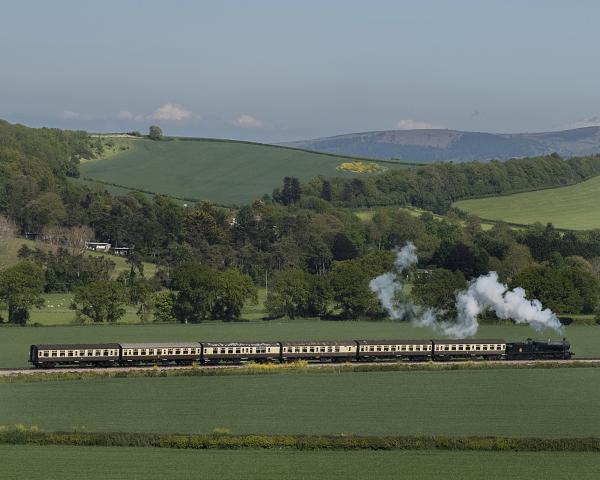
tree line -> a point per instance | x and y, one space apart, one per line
317 255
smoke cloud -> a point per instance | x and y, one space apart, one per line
483 294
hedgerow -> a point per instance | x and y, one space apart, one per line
21 435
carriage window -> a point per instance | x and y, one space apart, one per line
337 349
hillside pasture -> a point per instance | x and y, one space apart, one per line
574 207
222 171
100 463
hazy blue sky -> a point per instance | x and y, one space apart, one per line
282 70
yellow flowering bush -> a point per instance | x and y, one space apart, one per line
361 167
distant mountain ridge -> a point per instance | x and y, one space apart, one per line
437 145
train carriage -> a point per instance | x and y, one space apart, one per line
180 353
319 350
394 349
215 352
86 354
494 349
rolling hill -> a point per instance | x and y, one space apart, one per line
426 146
222 171
574 207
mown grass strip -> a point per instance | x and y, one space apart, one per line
274 369
31 436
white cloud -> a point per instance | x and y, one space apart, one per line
408 124
125 115
171 112
71 115
248 121
586 122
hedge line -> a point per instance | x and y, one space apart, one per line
295 367
24 436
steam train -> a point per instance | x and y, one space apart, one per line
207 353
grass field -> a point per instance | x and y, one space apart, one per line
366 214
56 309
224 172
108 463
15 341
574 207
533 403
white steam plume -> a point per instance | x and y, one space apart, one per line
487 293
484 293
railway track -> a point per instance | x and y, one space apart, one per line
35 371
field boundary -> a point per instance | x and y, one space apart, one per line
22 435
306 150
32 376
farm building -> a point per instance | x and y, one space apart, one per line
98 246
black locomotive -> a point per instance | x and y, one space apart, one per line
536 350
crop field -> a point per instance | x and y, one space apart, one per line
15 341
224 172
574 207
525 402
91 463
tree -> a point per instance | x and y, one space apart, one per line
516 260
564 290
163 303
288 293
21 288
234 290
141 295
290 193
437 288
204 292
196 287
100 301
8 232
155 133
351 292
469 260
343 248
326 191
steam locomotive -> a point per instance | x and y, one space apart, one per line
207 353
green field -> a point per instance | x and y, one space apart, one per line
110 463
574 207
225 172
15 341
56 309
523 402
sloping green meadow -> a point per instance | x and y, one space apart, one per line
92 463
15 341
574 207
222 171
518 403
